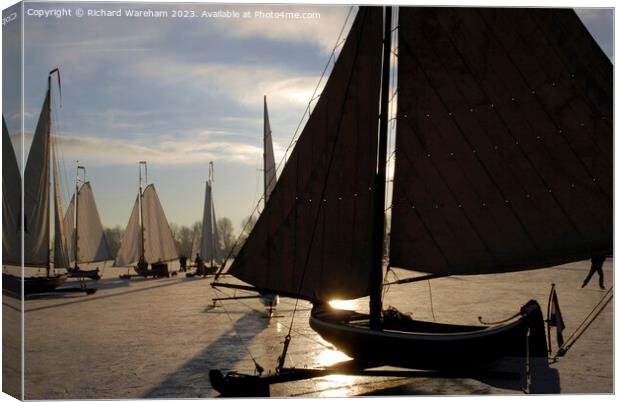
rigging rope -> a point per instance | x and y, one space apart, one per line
56 140
323 190
392 121
291 144
581 329
282 357
298 333
430 295
259 369
386 287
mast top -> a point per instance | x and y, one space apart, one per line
146 177
83 169
49 82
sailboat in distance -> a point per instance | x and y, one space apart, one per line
147 238
83 226
503 163
40 185
206 244
269 300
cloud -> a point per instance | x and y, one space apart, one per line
244 84
322 28
100 151
207 134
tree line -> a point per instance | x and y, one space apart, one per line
184 236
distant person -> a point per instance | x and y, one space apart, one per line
200 266
142 265
183 263
597 266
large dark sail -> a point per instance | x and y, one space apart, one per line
314 236
504 141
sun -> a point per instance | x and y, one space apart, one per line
343 304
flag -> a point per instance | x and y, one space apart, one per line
555 317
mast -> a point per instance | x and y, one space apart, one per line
75 214
49 180
77 181
376 272
140 205
265 150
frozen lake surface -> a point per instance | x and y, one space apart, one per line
158 338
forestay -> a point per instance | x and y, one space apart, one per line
504 141
61 251
313 239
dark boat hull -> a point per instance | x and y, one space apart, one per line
433 346
90 274
158 270
32 284
204 271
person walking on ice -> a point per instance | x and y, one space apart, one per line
597 266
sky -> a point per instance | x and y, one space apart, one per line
176 92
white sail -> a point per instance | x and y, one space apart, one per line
195 241
11 202
209 239
61 252
37 193
68 224
158 240
217 246
129 251
92 244
269 160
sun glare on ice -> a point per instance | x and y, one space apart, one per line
343 304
